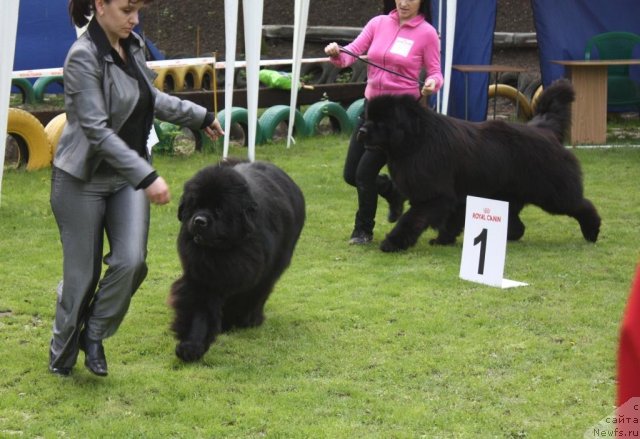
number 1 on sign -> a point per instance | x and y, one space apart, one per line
482 239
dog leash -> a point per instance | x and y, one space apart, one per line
420 83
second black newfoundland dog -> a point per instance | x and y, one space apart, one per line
436 161
240 224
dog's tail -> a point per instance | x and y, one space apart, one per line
553 109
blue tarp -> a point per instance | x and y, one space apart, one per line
473 44
563 28
45 33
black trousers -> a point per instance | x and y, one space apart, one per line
362 170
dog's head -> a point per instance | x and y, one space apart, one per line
217 209
392 124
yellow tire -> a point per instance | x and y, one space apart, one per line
535 97
159 81
511 93
174 79
206 77
192 78
29 133
54 130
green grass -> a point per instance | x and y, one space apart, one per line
357 343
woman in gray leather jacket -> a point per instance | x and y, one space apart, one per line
102 178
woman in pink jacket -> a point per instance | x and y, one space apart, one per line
404 42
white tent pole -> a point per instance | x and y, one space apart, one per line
448 62
300 30
252 11
8 29
231 32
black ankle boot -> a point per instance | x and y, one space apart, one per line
94 359
60 371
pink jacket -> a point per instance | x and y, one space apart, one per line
404 49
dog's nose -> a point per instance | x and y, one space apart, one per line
200 221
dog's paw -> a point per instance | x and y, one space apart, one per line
591 229
252 320
591 235
189 351
515 232
439 240
389 246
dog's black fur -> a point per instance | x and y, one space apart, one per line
436 161
240 224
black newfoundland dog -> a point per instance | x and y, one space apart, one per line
436 161
240 225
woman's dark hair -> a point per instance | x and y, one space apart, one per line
425 9
80 10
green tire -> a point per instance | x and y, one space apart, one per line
355 110
240 116
26 90
326 109
274 116
42 83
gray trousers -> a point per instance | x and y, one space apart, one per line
85 213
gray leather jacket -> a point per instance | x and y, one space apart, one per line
99 97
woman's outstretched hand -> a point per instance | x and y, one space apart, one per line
214 130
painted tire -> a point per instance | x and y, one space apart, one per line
511 93
240 116
535 97
206 77
26 90
192 78
54 129
326 109
174 79
159 81
41 84
29 132
274 116
169 142
355 110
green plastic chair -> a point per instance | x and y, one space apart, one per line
621 88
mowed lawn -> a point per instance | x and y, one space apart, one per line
357 343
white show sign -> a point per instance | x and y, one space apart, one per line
485 242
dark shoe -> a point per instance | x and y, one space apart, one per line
359 237
396 206
60 371
94 359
